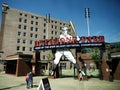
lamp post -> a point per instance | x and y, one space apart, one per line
87 16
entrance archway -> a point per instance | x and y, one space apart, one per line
95 41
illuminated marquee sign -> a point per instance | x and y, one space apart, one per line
69 42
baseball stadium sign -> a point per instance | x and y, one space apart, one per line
71 42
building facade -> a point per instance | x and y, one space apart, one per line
20 29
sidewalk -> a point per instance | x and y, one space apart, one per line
10 82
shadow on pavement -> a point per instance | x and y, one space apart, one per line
24 84
13 86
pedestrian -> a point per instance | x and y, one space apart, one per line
27 81
31 79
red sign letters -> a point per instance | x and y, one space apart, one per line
72 40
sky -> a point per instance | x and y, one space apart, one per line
104 14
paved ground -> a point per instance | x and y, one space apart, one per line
10 82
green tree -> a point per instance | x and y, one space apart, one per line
49 56
95 54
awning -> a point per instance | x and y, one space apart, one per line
12 58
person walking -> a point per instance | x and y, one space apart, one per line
31 79
27 81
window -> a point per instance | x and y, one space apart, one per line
44 19
32 16
52 32
36 17
64 24
23 48
51 26
31 35
52 21
20 19
55 21
36 36
31 28
19 26
24 34
60 23
18 48
60 28
55 27
44 24
25 15
19 33
44 37
30 49
20 14
69 30
25 21
24 41
18 40
63 65
55 33
43 56
31 41
36 29
25 27
84 51
31 22
44 31
36 23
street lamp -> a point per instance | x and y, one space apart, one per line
87 16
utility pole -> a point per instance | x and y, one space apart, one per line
87 16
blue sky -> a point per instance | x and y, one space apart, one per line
104 14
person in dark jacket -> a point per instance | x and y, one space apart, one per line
31 79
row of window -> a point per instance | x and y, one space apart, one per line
25 28
21 14
25 34
25 21
35 17
24 41
31 35
36 29
23 48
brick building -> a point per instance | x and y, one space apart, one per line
20 29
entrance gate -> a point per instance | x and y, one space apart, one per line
52 44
